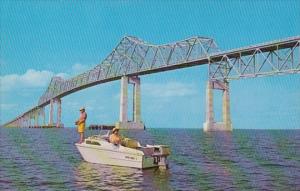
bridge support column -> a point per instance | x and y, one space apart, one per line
136 99
41 113
226 109
29 120
209 107
124 99
36 118
51 113
58 120
210 124
43 116
23 121
136 123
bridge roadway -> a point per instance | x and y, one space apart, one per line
134 57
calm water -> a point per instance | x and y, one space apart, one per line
46 159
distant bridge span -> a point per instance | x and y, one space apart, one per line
133 57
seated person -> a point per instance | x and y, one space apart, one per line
115 138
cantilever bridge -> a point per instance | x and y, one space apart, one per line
133 57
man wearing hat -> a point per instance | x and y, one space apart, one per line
115 138
81 124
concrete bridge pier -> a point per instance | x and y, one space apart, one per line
51 122
210 124
136 99
51 112
23 121
58 119
36 118
123 122
42 113
27 121
19 123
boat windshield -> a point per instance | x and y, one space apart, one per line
104 133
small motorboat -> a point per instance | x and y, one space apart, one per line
98 149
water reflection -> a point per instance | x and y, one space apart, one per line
96 176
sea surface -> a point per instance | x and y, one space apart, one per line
46 159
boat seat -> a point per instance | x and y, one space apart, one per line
130 143
148 151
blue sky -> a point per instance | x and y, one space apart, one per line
40 39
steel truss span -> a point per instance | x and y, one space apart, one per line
281 57
133 57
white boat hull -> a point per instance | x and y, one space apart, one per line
117 155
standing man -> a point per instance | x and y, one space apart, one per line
81 124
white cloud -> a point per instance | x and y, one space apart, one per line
80 68
170 89
35 79
63 75
30 79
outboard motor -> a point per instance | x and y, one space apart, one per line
161 152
